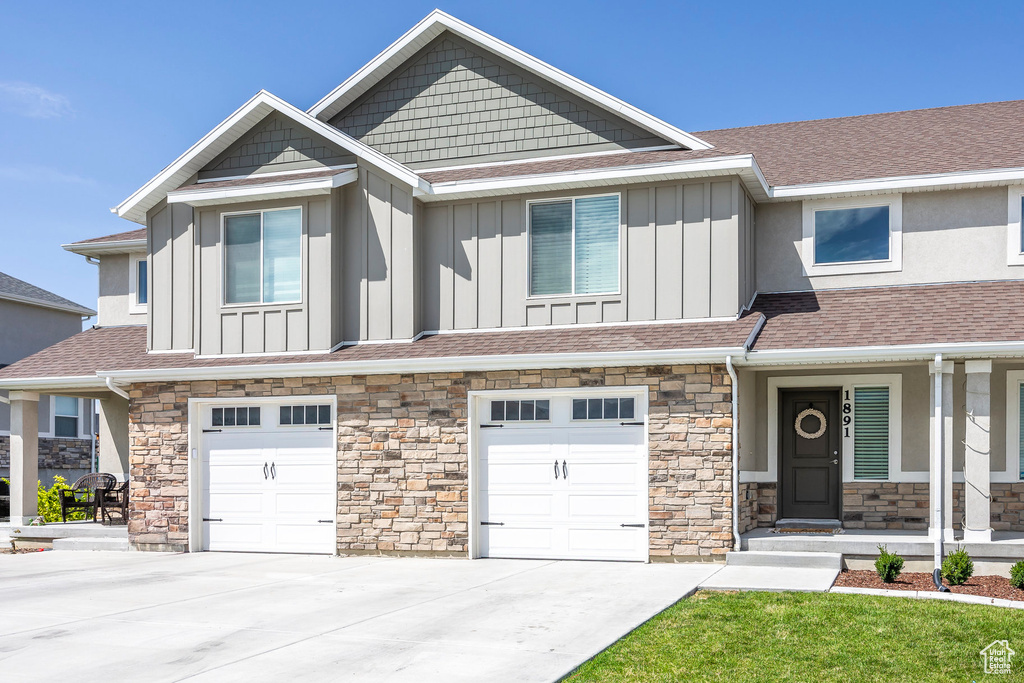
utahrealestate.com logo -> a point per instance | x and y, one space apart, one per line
998 656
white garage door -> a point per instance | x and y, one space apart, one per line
563 478
269 478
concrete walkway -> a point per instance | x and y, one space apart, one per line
230 617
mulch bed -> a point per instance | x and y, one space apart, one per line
988 586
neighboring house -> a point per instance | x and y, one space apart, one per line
470 305
32 319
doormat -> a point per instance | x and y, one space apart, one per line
798 530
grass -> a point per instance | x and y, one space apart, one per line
810 637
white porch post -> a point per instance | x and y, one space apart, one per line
24 456
114 436
942 454
977 450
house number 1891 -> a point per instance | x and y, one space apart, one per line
847 409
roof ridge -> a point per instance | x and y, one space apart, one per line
857 116
16 289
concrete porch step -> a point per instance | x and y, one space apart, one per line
50 532
91 543
802 560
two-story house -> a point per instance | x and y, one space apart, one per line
470 305
32 319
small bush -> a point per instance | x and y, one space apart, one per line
888 565
957 567
48 501
1017 575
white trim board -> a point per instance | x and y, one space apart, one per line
200 196
436 23
1014 227
1014 379
845 383
134 307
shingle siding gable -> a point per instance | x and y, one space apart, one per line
276 144
453 102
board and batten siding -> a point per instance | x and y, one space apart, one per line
686 251
172 258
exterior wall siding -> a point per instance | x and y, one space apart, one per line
276 144
114 298
456 102
403 455
948 236
680 257
68 458
172 277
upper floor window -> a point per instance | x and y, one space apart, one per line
263 257
853 235
138 283
1015 227
65 416
574 246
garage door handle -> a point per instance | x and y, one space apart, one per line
565 471
492 523
211 431
490 426
325 521
266 474
209 519
273 470
326 429
631 424
634 526
556 469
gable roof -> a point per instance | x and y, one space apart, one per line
134 208
965 138
437 22
118 243
13 289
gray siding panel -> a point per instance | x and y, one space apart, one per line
640 254
315 285
183 277
696 251
435 253
724 249
378 258
489 270
403 269
353 270
669 252
464 266
514 259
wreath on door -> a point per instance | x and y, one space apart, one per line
804 414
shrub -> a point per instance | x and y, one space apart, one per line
48 501
1017 575
957 567
888 565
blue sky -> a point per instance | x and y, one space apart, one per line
97 97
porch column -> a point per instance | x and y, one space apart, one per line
24 456
977 453
945 451
114 436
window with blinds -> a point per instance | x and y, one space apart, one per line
871 433
574 246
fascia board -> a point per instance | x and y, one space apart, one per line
897 183
436 22
100 248
420 365
742 164
52 383
203 197
860 354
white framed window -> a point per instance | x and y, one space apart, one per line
574 246
305 414
138 283
1014 470
262 256
524 410
1014 226
66 417
235 416
852 235
606 408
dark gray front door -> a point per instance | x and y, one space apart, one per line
810 468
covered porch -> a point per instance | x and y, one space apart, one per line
23 397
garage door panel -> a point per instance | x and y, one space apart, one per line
304 503
235 536
221 477
624 507
615 474
223 502
505 474
287 474
605 542
513 506
311 538
518 540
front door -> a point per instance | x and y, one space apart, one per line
810 465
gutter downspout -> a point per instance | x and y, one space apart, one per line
939 511
735 454
117 390
94 466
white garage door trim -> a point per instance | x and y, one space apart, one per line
196 412
478 404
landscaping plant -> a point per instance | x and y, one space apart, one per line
888 565
957 567
48 501
1017 575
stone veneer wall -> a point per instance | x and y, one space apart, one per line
402 461
757 505
54 454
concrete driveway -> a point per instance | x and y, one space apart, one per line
232 617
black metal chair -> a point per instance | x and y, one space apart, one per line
113 500
85 493
5 499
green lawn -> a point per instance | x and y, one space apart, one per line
810 637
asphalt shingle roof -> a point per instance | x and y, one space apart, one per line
13 288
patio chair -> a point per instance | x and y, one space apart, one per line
84 493
5 499
113 500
